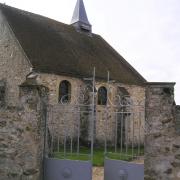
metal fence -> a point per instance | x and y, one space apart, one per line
83 130
124 130
75 129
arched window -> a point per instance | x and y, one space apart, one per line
102 96
64 91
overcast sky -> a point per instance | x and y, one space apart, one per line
145 32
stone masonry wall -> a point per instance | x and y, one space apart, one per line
137 93
162 142
177 119
52 82
136 119
13 63
22 136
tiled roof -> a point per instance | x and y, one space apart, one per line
54 47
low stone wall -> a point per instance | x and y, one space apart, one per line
178 119
22 137
162 142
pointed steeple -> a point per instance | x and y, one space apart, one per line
80 20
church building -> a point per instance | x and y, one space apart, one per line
65 58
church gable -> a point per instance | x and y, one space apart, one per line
13 64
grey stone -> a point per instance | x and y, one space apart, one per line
162 157
177 125
21 148
177 156
176 163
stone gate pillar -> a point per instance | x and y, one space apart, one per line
162 142
22 135
33 99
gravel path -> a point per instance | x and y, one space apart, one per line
98 173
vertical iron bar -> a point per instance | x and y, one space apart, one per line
105 141
122 118
93 117
58 135
106 119
139 129
78 134
133 135
52 144
52 130
65 129
45 132
144 117
58 143
127 141
116 131
71 144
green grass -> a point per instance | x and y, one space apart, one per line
99 156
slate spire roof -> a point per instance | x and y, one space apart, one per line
79 14
56 48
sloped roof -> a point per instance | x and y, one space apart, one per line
54 47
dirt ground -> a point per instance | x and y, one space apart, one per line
98 172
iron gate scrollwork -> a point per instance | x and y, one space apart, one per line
76 127
124 121
70 135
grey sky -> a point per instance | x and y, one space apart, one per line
145 32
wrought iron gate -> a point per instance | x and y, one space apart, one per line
124 155
76 128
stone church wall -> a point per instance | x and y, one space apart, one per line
162 141
13 63
63 119
137 115
53 81
137 93
22 136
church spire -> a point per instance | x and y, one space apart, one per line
79 19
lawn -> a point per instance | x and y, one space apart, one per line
99 155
